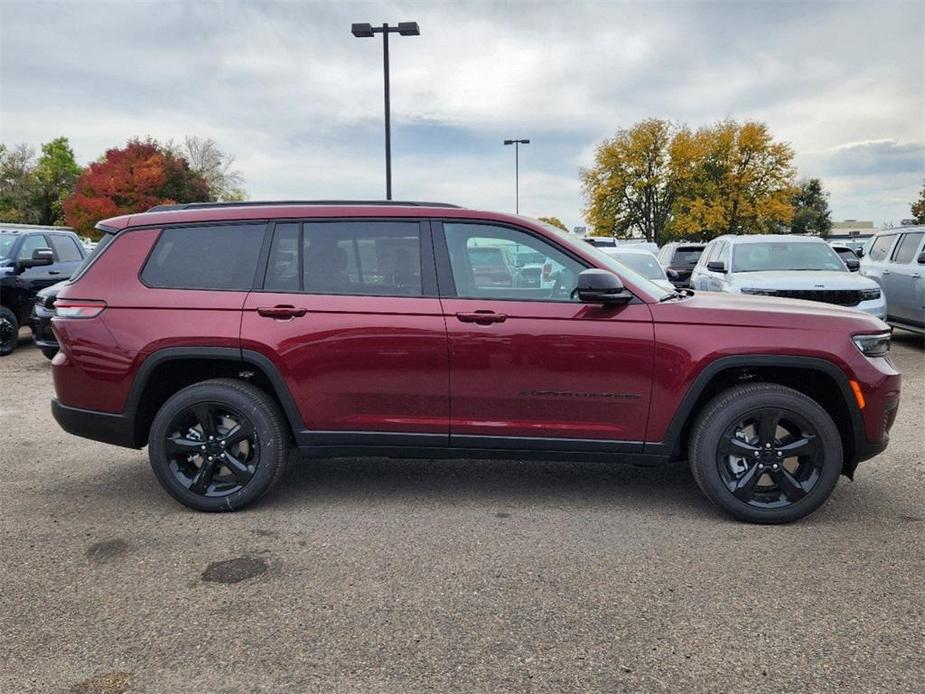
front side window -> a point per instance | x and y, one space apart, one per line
907 247
365 258
785 255
30 245
485 260
205 257
880 247
66 249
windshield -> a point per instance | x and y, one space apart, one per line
785 255
6 244
686 256
643 263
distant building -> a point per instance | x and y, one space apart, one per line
851 230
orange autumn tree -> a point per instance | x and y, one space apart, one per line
131 179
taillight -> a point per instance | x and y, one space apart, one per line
78 308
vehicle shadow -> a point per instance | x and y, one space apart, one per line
908 339
668 489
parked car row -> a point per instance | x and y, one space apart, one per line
896 261
32 260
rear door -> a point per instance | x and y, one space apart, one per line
902 280
530 366
348 313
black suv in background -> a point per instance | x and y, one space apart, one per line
31 258
680 258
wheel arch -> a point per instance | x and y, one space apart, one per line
166 371
816 378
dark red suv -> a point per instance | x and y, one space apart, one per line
222 334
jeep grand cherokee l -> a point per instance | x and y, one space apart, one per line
219 335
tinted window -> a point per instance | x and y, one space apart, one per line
785 255
846 254
205 257
481 257
880 247
6 244
686 256
66 249
283 274
907 247
30 244
366 258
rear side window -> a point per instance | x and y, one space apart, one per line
205 257
366 258
66 249
907 247
31 244
880 247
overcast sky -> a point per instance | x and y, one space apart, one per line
287 89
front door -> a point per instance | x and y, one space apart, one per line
348 313
528 363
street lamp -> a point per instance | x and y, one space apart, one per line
366 31
517 144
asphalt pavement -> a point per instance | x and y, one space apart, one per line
383 575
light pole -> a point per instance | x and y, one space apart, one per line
517 144
366 31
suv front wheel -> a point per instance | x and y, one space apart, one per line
765 453
218 445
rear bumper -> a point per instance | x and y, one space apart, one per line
115 429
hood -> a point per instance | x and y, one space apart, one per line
718 308
796 279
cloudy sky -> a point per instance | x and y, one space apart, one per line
287 89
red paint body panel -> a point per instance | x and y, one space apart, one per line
550 369
358 363
100 356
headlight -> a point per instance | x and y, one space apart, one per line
877 345
758 292
869 294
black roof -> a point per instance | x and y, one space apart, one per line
258 203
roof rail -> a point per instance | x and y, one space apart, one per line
257 203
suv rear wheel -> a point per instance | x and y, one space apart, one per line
765 453
9 331
218 445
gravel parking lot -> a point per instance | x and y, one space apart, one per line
400 575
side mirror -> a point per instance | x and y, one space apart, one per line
672 274
40 256
859 253
716 266
853 264
922 258
600 287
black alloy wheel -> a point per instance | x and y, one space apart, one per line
9 331
219 445
770 459
212 449
765 453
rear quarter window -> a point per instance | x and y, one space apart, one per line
205 257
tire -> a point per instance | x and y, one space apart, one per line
9 331
759 483
179 447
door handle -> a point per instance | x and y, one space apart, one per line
481 317
54 272
281 312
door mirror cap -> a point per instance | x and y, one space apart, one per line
716 266
601 287
40 256
922 258
859 253
672 274
853 265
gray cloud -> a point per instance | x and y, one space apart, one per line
286 88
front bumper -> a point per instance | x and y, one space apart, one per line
40 323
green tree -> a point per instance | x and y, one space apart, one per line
554 221
918 207
811 213
731 178
630 188
17 184
55 174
